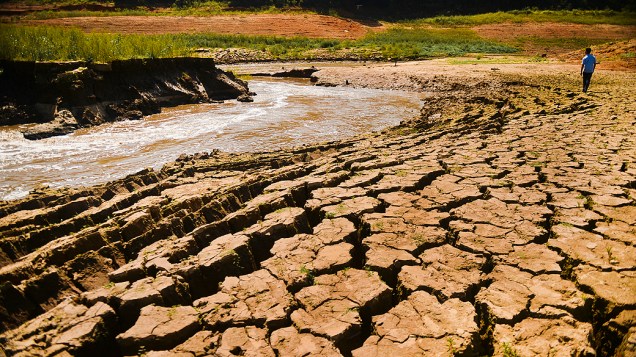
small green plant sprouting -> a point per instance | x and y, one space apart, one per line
508 351
308 273
377 226
610 256
341 208
451 346
401 173
110 285
172 311
330 215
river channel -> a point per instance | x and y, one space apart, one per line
285 113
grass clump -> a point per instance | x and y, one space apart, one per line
49 43
410 43
54 44
589 17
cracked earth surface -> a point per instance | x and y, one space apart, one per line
502 221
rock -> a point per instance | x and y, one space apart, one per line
288 342
245 98
253 299
63 123
421 325
159 328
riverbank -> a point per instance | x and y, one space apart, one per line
65 96
501 221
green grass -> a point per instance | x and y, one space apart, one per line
589 17
404 43
49 44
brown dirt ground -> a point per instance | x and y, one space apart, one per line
288 25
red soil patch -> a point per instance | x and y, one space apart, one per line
513 31
306 25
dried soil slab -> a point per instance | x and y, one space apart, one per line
617 230
282 223
445 192
410 237
225 256
626 214
353 207
332 231
517 194
163 291
159 328
332 306
253 299
544 337
67 328
406 177
203 343
159 255
361 179
422 326
247 341
533 258
446 272
497 213
288 342
615 287
592 249
568 200
332 195
506 299
514 294
579 217
296 260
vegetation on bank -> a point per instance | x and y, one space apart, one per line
588 17
49 43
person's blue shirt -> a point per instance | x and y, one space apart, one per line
589 62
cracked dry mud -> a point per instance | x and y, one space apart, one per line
502 221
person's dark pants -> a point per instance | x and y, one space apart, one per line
587 77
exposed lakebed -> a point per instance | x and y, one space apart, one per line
285 113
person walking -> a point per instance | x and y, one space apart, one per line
587 68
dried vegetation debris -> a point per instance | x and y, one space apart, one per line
496 232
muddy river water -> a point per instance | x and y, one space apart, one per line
284 113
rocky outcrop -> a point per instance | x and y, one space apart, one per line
63 97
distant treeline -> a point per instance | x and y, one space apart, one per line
408 8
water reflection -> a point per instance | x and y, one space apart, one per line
283 114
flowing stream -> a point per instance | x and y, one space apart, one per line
284 113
